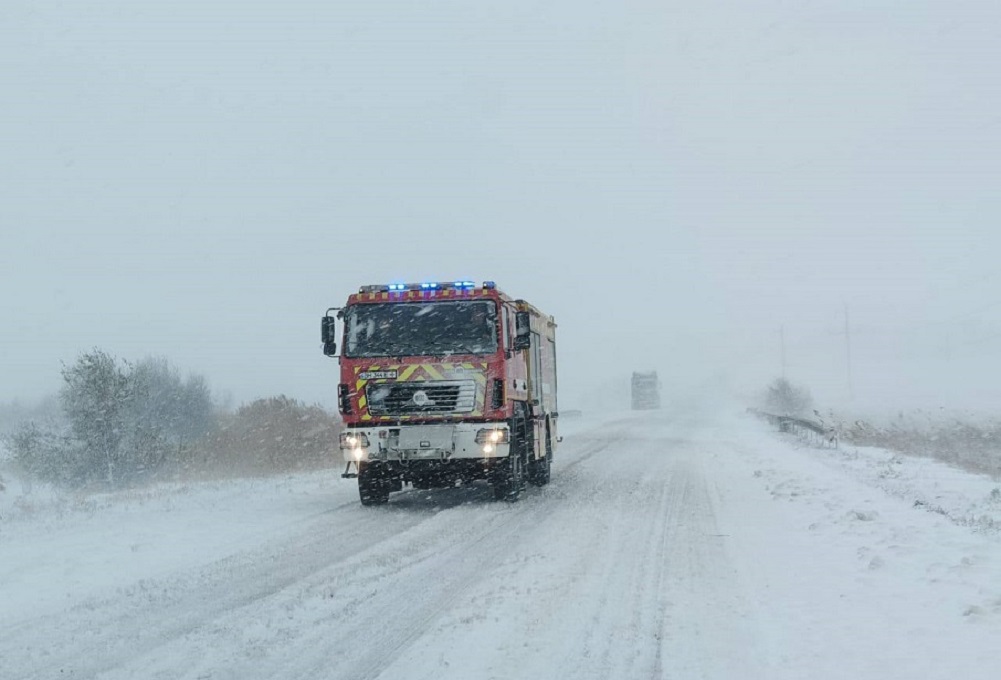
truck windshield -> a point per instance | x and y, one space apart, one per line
420 328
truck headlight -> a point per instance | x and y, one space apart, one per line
353 440
493 436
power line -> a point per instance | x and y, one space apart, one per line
848 355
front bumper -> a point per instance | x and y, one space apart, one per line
438 442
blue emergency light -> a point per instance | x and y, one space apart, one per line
426 286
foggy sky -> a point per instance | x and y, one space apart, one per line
674 181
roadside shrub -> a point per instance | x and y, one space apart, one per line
785 399
277 434
974 446
123 423
42 451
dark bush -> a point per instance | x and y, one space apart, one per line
278 434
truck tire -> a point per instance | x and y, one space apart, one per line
509 478
372 489
422 483
540 470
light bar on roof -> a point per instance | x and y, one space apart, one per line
425 286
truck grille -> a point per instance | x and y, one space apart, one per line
439 396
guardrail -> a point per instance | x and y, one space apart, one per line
814 432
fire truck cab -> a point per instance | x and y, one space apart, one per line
443 383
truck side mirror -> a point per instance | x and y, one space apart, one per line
522 330
328 333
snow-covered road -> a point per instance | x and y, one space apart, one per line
691 547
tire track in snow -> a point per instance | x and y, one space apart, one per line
469 550
625 623
188 611
141 616
352 619
603 587
468 562
706 631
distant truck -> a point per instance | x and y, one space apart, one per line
645 390
444 383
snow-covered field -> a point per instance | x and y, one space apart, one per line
689 547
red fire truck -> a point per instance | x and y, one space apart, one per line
443 383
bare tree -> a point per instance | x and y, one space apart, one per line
94 397
784 398
123 422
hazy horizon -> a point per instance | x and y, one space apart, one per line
679 186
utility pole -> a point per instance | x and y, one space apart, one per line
782 349
848 355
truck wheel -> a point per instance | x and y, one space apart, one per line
371 488
509 479
540 471
422 483
373 493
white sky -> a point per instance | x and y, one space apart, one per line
674 181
